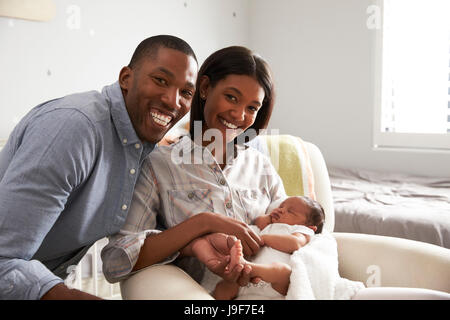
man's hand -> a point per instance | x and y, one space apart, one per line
213 250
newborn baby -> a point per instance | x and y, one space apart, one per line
285 230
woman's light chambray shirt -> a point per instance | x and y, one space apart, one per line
173 187
67 175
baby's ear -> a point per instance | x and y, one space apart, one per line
313 227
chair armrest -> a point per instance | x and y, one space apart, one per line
162 282
393 262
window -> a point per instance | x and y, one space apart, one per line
412 108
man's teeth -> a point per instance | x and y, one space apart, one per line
161 119
228 125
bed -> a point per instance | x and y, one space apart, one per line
397 205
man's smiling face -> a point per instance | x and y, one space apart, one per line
158 92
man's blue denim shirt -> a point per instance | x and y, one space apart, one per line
66 180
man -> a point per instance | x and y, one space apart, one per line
68 170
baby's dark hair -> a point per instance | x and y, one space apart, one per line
316 215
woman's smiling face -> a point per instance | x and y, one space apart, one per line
231 105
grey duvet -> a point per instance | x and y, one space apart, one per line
397 205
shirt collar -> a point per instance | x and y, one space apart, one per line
186 143
121 119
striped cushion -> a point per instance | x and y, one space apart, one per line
290 158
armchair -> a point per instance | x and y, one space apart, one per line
373 260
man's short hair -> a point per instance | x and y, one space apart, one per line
149 48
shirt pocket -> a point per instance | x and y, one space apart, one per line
254 202
186 203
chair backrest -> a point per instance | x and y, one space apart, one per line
302 168
322 185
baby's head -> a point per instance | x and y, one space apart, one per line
300 210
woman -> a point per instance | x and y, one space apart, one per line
215 185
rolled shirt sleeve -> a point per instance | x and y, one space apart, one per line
50 159
122 252
25 280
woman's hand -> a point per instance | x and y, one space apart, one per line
251 242
263 221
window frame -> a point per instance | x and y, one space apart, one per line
397 140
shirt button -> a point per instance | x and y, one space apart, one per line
137 145
132 171
222 181
125 141
229 205
124 207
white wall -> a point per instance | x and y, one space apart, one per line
44 60
321 53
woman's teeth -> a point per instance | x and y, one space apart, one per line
228 125
161 119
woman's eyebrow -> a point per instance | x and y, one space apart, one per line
239 93
235 90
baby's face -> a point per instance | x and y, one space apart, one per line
291 211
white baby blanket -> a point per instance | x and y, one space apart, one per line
315 272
